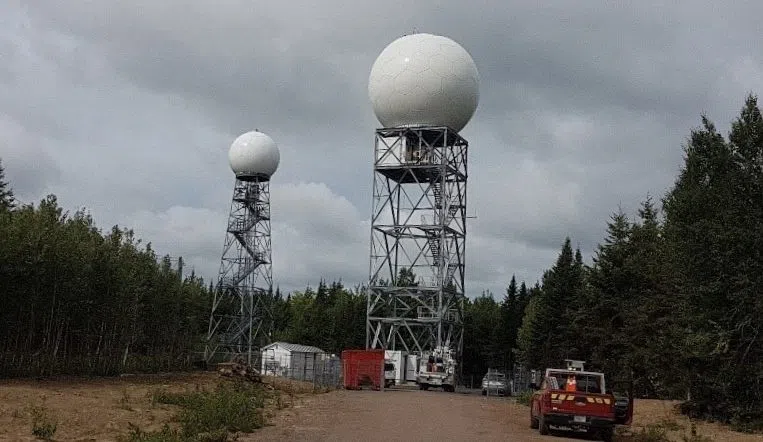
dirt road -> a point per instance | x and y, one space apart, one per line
401 415
102 410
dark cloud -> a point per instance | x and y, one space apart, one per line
29 168
583 108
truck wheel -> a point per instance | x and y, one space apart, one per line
607 435
543 426
421 386
533 421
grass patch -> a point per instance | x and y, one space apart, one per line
650 433
234 406
124 401
294 387
660 432
43 427
166 434
281 401
525 398
208 416
748 422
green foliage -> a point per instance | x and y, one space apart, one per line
673 305
43 426
7 201
511 313
661 432
714 226
78 301
525 398
332 318
482 349
650 433
546 337
166 434
124 401
212 415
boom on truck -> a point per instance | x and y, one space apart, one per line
437 369
578 400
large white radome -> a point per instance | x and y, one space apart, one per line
254 155
424 79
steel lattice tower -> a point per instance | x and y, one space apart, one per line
418 225
240 321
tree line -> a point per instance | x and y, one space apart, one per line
79 301
672 300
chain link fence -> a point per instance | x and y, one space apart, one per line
524 378
321 369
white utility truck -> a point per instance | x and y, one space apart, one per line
400 368
437 368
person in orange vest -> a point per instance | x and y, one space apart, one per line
572 384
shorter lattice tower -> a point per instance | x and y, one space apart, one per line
240 320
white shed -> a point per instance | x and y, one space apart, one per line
294 361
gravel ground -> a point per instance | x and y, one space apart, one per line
412 415
102 409
402 415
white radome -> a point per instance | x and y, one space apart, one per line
254 155
424 79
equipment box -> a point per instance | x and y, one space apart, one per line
363 368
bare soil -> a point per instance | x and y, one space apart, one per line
412 415
101 410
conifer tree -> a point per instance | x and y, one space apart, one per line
7 201
715 235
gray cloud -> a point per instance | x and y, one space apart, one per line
128 108
28 164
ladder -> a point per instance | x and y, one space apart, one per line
437 192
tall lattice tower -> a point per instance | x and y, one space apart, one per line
424 90
240 320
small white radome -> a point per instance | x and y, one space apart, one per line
254 155
424 79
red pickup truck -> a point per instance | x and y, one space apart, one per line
577 400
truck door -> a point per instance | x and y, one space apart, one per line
623 392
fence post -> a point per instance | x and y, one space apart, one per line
314 371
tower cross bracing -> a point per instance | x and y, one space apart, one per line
418 232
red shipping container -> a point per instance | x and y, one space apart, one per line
362 368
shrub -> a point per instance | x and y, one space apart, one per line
525 398
42 426
212 415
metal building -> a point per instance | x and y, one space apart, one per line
295 361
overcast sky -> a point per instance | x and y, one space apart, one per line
128 108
